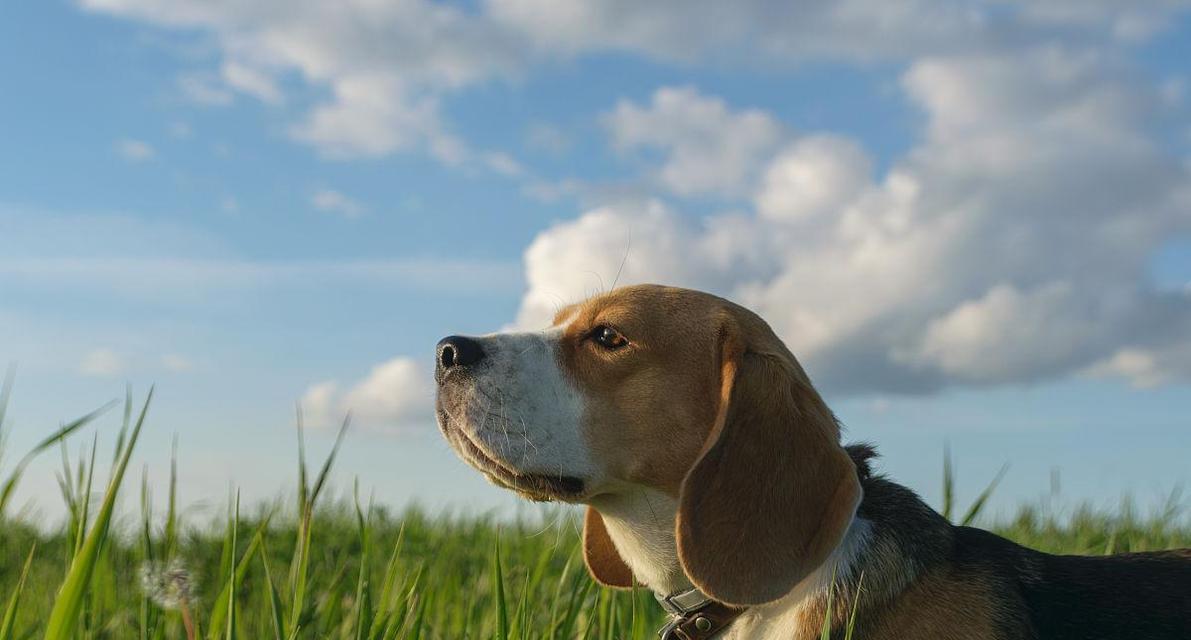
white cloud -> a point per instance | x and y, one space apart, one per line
370 115
320 404
1009 245
547 137
181 130
1036 194
388 65
333 201
814 177
503 164
766 29
251 81
708 148
176 363
1010 335
385 64
54 253
204 89
396 395
135 150
575 259
1129 21
101 362
160 278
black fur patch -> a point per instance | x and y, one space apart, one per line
1034 595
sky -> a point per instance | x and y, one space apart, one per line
971 221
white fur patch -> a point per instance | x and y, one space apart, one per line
520 409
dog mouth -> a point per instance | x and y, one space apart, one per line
539 487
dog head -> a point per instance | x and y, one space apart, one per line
670 389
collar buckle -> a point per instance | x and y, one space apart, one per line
682 603
681 606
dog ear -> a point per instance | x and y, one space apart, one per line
600 555
773 492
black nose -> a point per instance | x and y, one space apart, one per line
458 351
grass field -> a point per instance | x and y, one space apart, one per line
313 568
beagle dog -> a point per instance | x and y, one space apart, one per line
713 474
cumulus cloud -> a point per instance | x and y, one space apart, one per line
396 395
388 65
1010 244
707 147
1027 211
813 177
385 64
1128 21
684 30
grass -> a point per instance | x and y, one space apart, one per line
349 570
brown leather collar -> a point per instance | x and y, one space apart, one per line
694 616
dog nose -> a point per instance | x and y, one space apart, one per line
458 351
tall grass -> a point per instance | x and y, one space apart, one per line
342 568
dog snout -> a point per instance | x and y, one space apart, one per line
458 351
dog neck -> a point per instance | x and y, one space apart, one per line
641 526
893 539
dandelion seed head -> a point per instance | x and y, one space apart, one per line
169 585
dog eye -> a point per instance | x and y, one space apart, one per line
608 338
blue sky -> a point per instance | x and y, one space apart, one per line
972 221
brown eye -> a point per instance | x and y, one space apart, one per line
608 338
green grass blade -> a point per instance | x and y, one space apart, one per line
948 482
61 434
171 513
825 632
124 424
85 494
65 614
10 613
147 617
325 472
275 619
855 606
303 487
364 615
978 504
230 632
498 582
221 612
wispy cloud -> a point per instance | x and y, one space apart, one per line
101 362
176 363
253 82
153 275
135 150
332 201
204 89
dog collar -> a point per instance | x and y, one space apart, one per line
694 615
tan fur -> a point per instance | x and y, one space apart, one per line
750 449
939 605
599 553
662 388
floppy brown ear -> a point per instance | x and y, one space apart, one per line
774 492
600 555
